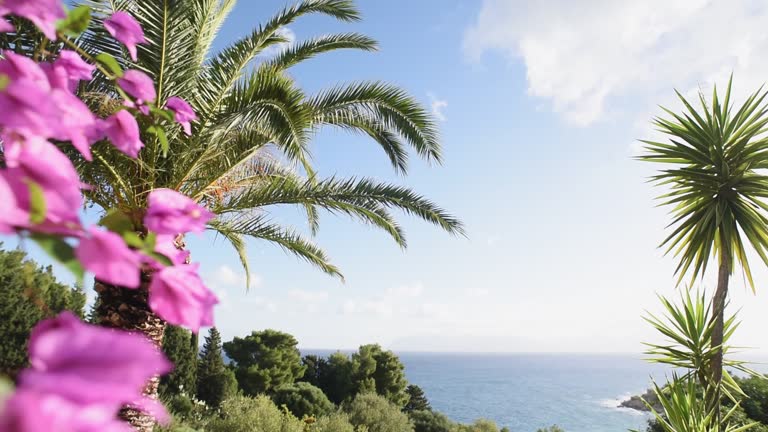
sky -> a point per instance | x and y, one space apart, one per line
540 105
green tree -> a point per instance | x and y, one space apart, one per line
431 421
215 383
417 400
246 414
28 294
251 114
377 414
339 382
380 371
755 404
177 348
337 422
715 186
481 425
553 428
264 360
316 370
303 399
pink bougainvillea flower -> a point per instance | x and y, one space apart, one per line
90 364
25 108
36 160
81 375
122 130
178 295
31 411
106 255
170 212
75 122
139 85
183 112
42 13
6 27
124 27
13 214
166 246
68 70
16 67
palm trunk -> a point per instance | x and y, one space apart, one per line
128 309
718 309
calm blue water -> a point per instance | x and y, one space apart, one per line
524 392
529 391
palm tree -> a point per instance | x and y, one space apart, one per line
716 189
250 147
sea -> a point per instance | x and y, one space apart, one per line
525 392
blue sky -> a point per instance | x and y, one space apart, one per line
540 106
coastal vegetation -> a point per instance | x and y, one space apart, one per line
714 184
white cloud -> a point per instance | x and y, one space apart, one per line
438 107
273 50
590 58
401 301
226 277
306 296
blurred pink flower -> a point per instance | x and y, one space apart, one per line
178 295
36 160
42 13
68 70
80 377
183 112
13 214
170 212
139 86
106 255
123 131
165 245
124 27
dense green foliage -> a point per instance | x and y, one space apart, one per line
215 382
755 405
431 421
417 400
28 294
377 414
259 414
179 350
303 399
380 371
264 360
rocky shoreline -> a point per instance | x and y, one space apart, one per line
636 402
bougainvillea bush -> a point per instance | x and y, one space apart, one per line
80 375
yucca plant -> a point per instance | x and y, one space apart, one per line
250 148
686 411
688 328
690 400
716 190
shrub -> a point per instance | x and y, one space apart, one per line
377 414
303 399
431 421
337 422
259 414
481 425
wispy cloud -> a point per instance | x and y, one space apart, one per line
592 58
438 106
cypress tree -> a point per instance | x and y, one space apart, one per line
177 348
215 382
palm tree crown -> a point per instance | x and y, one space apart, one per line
255 125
